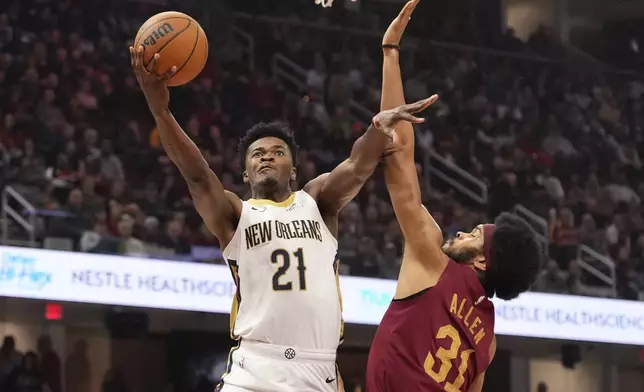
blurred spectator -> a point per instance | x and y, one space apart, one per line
151 232
49 364
27 377
564 236
130 246
391 261
551 279
77 369
504 194
203 237
10 359
629 282
98 239
589 234
111 166
553 188
316 76
151 202
93 202
574 281
173 239
339 90
620 192
75 205
542 387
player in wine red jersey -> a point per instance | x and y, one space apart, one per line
438 332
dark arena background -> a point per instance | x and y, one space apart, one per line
110 279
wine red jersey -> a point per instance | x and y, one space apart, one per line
436 340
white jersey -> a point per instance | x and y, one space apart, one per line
284 261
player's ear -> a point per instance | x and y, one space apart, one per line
245 177
480 265
293 174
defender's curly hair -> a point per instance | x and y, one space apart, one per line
272 129
517 257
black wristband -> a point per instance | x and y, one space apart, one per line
391 46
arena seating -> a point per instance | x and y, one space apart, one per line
524 130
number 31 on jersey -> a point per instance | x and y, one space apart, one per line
446 356
282 258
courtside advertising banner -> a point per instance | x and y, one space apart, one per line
139 282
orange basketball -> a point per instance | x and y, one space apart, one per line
179 40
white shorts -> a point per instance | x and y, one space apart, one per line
261 367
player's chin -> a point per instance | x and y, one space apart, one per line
451 252
447 245
267 180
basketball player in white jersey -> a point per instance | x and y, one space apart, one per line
280 245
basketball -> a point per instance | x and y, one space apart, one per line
179 40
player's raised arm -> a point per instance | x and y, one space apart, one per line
422 235
220 209
336 189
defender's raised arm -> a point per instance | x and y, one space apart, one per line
336 189
423 237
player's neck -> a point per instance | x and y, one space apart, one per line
276 195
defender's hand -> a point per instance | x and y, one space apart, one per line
386 121
153 85
397 27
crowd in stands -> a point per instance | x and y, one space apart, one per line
31 371
45 370
42 371
536 130
78 142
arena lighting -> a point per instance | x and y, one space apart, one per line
163 284
53 311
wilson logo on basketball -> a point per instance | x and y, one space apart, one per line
178 40
161 32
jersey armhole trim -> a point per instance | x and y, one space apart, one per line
336 242
225 252
412 296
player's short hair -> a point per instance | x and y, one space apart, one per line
516 258
272 129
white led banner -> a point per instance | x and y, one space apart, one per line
138 282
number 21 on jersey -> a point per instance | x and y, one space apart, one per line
445 358
282 258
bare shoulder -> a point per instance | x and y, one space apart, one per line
329 215
314 186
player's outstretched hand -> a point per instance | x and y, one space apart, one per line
396 29
153 85
386 121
